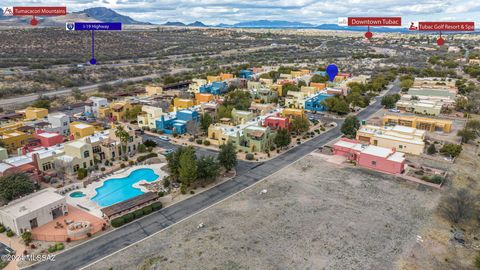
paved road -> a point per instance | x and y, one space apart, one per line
87 88
247 175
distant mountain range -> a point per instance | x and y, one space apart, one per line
108 15
98 14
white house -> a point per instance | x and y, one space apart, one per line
59 122
33 210
94 104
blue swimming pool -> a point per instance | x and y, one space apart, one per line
117 190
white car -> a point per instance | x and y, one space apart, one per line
164 138
394 110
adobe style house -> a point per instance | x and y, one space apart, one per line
277 122
372 157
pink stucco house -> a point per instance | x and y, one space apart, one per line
48 139
370 156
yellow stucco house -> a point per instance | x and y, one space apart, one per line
80 130
183 103
35 113
148 115
423 123
153 90
15 139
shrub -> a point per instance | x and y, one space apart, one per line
122 165
322 128
2 229
191 139
32 246
431 149
147 156
161 194
183 189
249 156
10 233
131 162
128 217
82 173
206 142
52 249
147 209
192 192
156 206
27 238
89 234
142 148
59 246
117 222
166 182
138 213
102 169
199 141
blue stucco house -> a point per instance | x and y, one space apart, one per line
215 88
176 123
314 103
246 74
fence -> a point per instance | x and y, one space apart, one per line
60 235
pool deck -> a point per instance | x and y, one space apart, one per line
90 192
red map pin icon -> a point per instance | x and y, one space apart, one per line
369 35
33 21
440 41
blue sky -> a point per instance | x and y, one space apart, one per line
309 11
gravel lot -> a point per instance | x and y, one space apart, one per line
315 215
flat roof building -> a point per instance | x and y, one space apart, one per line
404 139
33 210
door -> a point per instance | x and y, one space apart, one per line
33 223
57 212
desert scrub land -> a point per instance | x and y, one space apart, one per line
314 215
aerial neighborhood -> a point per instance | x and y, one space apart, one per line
251 140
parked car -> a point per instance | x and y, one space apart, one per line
394 110
164 138
168 152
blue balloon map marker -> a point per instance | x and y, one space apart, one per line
332 71
93 61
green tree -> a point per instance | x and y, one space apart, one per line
227 156
42 103
142 148
406 84
123 136
78 95
431 150
341 107
450 149
187 170
133 113
173 160
466 135
208 168
14 186
238 99
319 79
300 124
356 99
205 121
290 87
225 111
350 126
282 138
389 101
301 83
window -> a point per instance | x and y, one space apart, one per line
374 163
91 162
86 154
84 165
76 167
113 154
400 146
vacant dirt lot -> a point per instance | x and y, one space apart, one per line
315 215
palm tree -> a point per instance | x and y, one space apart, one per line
123 135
